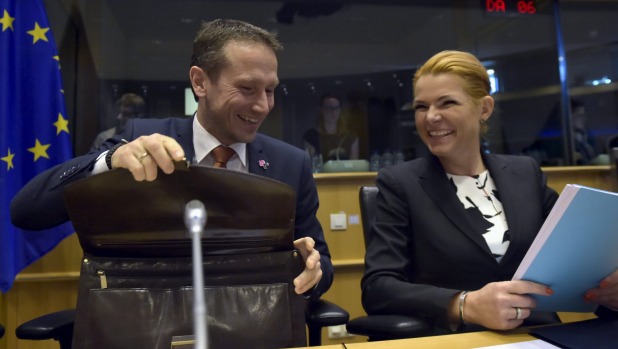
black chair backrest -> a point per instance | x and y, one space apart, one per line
367 197
612 150
613 162
612 142
382 327
1 331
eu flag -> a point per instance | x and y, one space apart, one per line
34 131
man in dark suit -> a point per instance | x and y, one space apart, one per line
233 75
130 106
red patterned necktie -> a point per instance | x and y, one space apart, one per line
222 154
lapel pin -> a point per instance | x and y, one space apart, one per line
263 164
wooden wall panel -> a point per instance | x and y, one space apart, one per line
48 285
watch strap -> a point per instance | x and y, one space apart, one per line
108 156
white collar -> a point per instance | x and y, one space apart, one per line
204 143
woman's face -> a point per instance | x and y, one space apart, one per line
331 109
447 118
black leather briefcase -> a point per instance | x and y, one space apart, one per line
135 286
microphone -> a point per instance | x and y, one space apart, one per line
195 216
195 220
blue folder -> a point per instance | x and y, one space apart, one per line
575 249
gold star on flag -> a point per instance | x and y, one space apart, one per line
57 58
61 125
7 21
39 150
38 33
8 159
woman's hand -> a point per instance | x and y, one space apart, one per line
495 305
606 293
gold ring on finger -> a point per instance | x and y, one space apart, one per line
142 157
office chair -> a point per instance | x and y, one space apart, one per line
322 313
611 147
612 142
613 163
1 331
59 325
382 327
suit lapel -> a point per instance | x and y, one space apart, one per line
257 159
437 186
182 131
509 196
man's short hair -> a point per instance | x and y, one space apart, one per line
212 37
133 101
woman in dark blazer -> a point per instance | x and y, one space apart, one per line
452 228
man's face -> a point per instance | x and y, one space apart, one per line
237 103
126 112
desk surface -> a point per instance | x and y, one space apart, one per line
452 341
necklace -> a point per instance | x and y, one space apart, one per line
482 185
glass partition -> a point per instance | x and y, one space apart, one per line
592 56
364 52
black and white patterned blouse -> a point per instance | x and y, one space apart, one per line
480 198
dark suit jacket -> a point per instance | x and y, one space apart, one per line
40 204
423 247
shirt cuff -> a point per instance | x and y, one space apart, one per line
100 166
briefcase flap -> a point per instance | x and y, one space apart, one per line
116 216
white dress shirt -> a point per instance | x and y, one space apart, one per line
204 143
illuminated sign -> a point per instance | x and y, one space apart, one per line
509 7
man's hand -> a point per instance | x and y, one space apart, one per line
313 271
145 155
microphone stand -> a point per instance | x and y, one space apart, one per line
195 220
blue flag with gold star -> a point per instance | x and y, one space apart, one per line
34 132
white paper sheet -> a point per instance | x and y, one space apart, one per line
533 344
